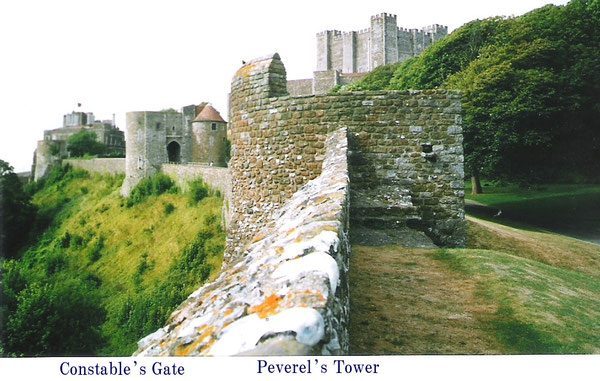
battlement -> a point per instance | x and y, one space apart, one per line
360 51
384 15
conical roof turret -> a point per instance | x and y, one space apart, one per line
209 114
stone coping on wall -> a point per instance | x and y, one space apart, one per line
288 295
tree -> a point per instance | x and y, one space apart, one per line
57 318
530 89
17 214
85 142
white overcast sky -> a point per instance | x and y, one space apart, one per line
124 55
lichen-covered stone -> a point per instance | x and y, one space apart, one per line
291 280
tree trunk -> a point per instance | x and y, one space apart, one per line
476 183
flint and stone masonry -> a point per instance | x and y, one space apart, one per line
406 156
303 170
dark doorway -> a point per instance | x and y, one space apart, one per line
174 152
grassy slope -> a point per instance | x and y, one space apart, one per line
478 300
113 238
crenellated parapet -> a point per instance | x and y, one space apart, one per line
382 43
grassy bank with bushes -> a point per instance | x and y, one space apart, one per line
102 271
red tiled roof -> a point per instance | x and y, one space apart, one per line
209 114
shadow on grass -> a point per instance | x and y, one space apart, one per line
520 337
487 213
576 216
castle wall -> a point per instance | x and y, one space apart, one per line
390 39
337 50
325 81
363 49
324 50
377 31
381 44
145 147
406 162
113 138
289 294
405 45
299 87
302 168
349 52
47 154
147 136
217 178
100 165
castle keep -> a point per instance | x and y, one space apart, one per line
343 57
54 146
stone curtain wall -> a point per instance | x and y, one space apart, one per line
406 160
300 87
100 165
273 154
289 294
217 178
296 162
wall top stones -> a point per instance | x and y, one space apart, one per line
289 294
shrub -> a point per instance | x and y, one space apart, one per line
58 318
169 208
95 251
198 190
143 266
16 211
152 186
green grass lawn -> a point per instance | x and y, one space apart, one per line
518 288
570 209
512 291
540 308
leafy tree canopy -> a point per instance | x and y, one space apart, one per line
16 212
531 90
85 142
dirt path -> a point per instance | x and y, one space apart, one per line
405 302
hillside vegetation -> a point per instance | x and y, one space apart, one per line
530 89
101 272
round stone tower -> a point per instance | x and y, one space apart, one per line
145 146
209 134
